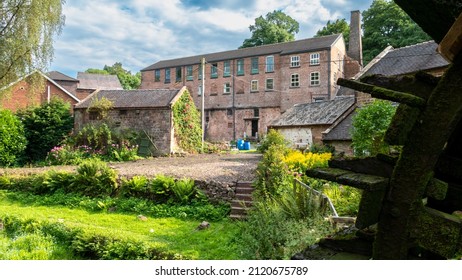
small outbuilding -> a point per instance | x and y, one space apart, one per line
149 112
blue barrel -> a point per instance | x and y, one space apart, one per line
240 144
246 145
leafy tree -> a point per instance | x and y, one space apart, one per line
46 127
27 28
127 80
276 27
369 127
385 23
336 27
12 140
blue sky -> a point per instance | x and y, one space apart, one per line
138 33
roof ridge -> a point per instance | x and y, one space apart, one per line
411 46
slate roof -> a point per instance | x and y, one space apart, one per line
316 113
149 98
305 45
408 59
340 131
58 76
98 81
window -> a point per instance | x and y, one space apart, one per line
199 72
270 63
199 91
256 112
295 61
254 65
226 69
157 75
122 112
295 80
214 70
314 79
229 112
167 76
314 59
240 67
230 125
254 86
189 73
269 84
178 75
94 115
227 88
318 99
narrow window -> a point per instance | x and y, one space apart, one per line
240 67
295 80
256 112
295 61
314 59
214 70
179 74
157 75
227 88
199 72
229 112
189 73
314 79
226 69
269 84
254 86
167 76
270 63
254 65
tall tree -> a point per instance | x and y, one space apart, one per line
126 78
275 27
27 28
336 27
385 23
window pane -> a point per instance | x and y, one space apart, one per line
254 85
227 88
167 75
269 63
254 65
314 59
269 84
189 73
214 70
240 67
178 74
295 61
314 79
157 76
226 69
295 80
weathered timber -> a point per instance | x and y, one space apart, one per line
401 125
329 174
416 164
369 208
369 166
436 189
357 180
437 231
420 84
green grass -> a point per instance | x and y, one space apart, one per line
172 234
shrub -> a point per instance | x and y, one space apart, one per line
184 190
300 162
96 136
94 178
187 124
12 139
45 127
273 138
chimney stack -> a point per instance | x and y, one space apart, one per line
355 48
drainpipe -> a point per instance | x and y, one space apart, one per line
233 108
329 70
48 94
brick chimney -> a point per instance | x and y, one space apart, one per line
355 48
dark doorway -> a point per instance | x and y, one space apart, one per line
254 128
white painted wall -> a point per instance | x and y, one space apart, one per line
299 137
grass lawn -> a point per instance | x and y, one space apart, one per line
176 235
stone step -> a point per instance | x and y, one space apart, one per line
241 203
244 184
239 210
237 216
244 196
244 190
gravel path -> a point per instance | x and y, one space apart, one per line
218 167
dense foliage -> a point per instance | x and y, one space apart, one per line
339 26
45 127
12 140
369 126
273 138
275 27
187 124
126 78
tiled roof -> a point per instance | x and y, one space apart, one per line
408 59
306 45
316 113
98 81
341 131
58 76
150 98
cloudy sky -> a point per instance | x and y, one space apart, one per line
138 33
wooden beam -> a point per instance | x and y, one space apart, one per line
452 42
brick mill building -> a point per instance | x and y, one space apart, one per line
247 89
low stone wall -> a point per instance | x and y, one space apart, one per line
217 191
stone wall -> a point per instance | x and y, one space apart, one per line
217 191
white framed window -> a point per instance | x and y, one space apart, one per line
254 85
295 61
270 63
227 88
295 80
314 59
226 69
315 79
269 84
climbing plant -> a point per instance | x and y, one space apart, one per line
186 121
100 107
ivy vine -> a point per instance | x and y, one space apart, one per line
187 124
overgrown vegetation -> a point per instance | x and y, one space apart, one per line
186 121
12 140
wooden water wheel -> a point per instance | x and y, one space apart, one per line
412 197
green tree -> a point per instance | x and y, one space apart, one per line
369 126
126 78
336 27
275 27
27 29
45 127
385 23
12 140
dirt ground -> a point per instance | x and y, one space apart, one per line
230 167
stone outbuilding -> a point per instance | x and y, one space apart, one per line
149 112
